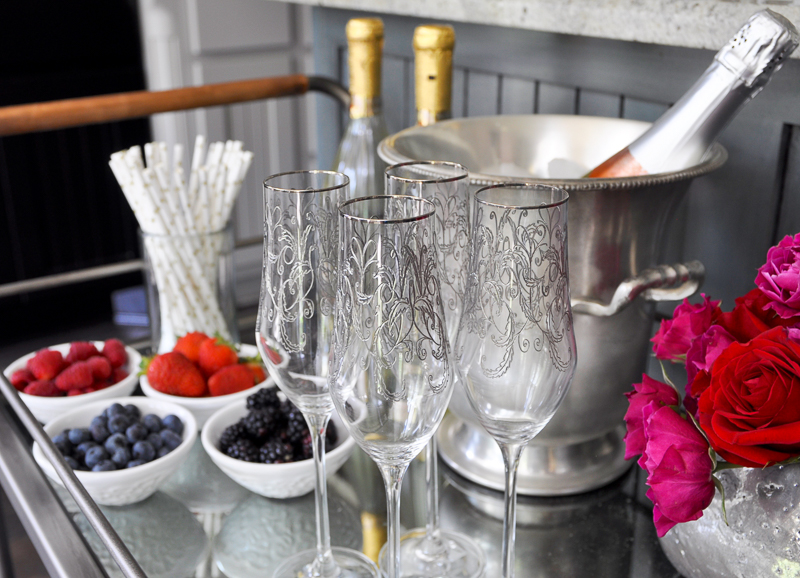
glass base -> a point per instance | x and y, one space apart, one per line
351 564
459 557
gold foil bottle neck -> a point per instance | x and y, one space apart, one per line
433 71
365 47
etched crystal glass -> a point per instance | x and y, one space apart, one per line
515 345
391 376
294 330
431 552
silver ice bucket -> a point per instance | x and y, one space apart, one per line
616 241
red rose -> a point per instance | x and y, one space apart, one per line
750 317
751 407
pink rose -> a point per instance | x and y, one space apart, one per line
678 466
650 390
675 336
779 277
701 355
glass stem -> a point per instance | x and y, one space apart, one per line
433 541
393 478
511 455
324 565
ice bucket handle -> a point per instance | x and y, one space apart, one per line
662 283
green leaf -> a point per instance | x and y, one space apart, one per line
667 380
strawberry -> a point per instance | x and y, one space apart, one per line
259 374
43 388
21 377
189 345
230 379
101 367
118 375
173 374
81 351
46 364
76 376
114 351
214 354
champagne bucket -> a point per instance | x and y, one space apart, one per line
616 241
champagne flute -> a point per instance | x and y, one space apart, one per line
391 376
431 552
294 329
515 345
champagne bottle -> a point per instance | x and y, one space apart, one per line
357 155
433 72
680 138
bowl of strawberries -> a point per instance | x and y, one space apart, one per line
61 377
203 374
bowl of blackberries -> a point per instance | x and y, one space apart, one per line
264 444
123 449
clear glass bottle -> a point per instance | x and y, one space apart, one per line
680 138
357 156
433 72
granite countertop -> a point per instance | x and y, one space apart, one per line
689 23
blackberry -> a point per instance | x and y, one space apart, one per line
243 449
266 397
296 427
231 434
263 423
307 451
276 452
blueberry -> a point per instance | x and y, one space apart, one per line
115 441
101 420
95 455
133 411
135 433
120 457
155 440
171 439
104 466
174 423
163 451
99 433
79 435
118 423
61 441
134 463
79 453
115 409
152 422
72 462
144 451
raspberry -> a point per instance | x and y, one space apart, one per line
21 378
114 351
100 366
46 364
43 388
118 375
76 376
81 351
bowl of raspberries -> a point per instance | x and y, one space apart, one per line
123 449
56 379
264 444
203 374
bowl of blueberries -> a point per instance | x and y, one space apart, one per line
122 450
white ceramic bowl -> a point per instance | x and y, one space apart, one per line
204 407
130 485
47 408
271 480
